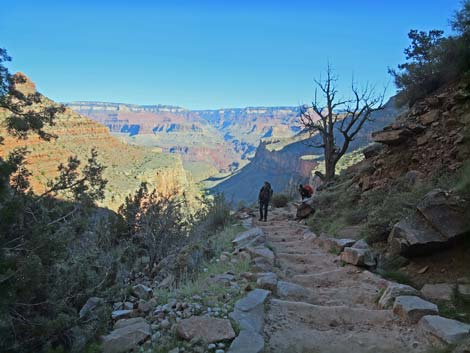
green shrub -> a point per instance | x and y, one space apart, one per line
434 60
280 200
398 276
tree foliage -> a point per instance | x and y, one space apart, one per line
433 60
43 276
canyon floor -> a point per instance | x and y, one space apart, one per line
327 306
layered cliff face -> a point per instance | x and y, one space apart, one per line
427 141
210 140
127 166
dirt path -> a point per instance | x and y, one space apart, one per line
327 307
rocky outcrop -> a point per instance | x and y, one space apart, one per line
438 221
428 138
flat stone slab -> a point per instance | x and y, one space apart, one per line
243 239
440 291
447 330
249 311
247 342
412 308
292 291
125 338
261 251
394 290
252 300
205 328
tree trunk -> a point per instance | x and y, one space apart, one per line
330 166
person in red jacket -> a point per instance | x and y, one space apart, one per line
306 191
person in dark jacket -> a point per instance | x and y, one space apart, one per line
264 197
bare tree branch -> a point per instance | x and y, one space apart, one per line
344 116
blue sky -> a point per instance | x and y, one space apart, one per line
208 54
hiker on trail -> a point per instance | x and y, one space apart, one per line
264 197
306 191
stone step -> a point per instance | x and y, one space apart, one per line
323 316
447 330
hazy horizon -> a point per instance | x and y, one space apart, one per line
209 55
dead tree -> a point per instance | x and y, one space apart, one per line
335 119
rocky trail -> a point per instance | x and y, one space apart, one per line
320 304
298 293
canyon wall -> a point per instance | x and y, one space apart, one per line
126 165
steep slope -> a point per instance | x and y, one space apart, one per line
127 166
280 161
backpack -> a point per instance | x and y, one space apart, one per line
266 193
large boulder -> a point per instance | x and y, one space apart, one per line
438 222
414 236
445 213
412 309
447 330
358 257
391 136
304 210
393 291
205 328
126 337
